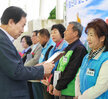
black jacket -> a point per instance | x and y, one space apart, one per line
25 55
79 51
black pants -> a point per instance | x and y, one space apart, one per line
65 97
46 94
30 90
56 97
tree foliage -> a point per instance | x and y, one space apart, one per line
52 14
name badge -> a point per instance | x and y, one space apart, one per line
64 59
57 75
90 72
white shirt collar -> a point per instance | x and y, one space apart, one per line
27 49
34 46
9 36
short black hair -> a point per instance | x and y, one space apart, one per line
36 32
14 13
28 40
44 32
60 28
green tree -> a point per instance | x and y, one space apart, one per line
52 14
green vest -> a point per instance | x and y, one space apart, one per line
63 62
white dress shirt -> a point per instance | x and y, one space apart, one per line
9 36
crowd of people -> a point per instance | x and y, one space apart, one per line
78 74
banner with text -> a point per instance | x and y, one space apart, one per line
84 11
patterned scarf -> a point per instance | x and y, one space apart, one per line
93 54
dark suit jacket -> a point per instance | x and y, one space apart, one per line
13 74
25 55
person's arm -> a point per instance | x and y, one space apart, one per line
12 65
77 85
101 85
35 59
71 69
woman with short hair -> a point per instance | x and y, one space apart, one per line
93 75
26 44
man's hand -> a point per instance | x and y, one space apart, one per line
40 64
56 92
48 67
45 81
51 89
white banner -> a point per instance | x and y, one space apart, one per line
86 10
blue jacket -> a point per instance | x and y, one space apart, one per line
89 72
44 50
61 47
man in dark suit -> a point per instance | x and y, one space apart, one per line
13 74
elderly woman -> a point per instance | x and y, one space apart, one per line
93 75
57 35
26 44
